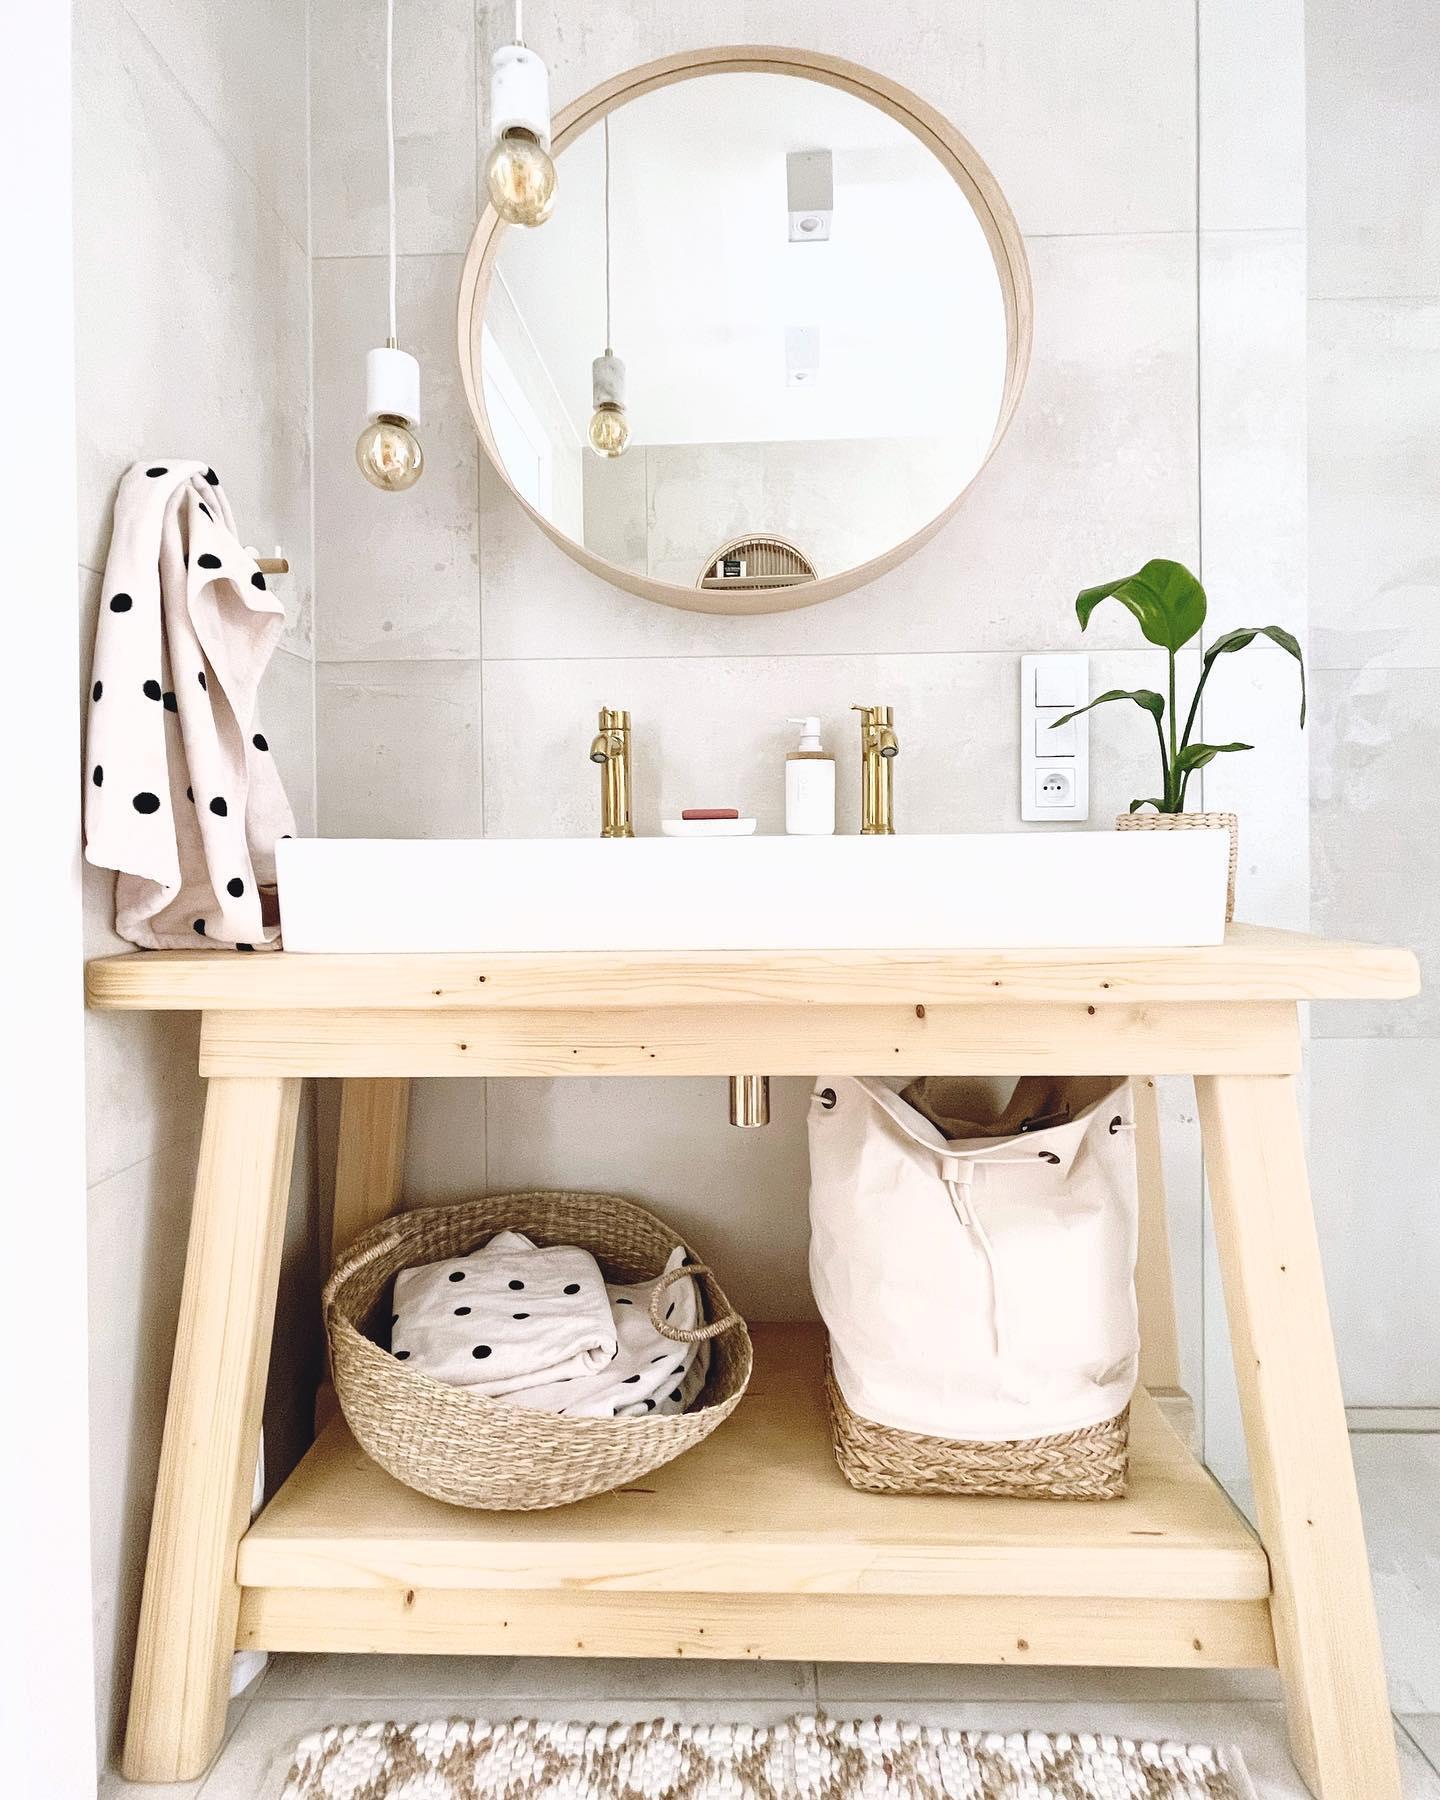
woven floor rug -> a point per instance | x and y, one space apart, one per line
805 1759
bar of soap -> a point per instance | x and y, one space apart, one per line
711 812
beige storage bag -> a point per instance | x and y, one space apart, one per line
979 1290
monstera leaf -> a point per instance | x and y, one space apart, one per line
1166 599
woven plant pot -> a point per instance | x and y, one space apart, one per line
1197 821
1089 1464
475 1451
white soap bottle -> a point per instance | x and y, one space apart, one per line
809 785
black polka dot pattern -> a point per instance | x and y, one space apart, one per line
200 932
261 743
204 685
218 807
151 690
674 1393
631 1379
190 795
457 1274
515 1287
461 1312
171 704
257 580
206 510
235 887
480 1352
212 478
146 803
97 775
245 947
519 1315
573 1287
97 690
402 1356
159 469
120 603
208 561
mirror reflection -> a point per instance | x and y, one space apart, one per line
760 341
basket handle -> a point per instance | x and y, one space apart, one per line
350 1264
702 1333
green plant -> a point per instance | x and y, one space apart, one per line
1169 606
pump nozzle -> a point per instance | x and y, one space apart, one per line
809 732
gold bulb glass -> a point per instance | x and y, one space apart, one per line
520 178
389 454
609 430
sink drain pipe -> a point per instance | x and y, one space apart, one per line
749 1100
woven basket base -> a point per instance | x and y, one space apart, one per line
823 1759
1089 1464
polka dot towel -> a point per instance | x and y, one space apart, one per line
182 798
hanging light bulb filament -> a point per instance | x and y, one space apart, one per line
519 171
609 427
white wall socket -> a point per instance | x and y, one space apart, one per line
1054 764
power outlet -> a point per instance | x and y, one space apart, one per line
1054 765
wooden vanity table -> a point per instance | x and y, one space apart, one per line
752 1545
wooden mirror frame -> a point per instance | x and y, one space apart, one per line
958 156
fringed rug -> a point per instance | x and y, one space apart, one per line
805 1759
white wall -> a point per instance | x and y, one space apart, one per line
461 657
1374 137
192 339
45 1659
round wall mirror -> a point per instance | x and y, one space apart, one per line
772 332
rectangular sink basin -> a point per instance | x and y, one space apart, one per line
1020 890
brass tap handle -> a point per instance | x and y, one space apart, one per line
879 747
610 748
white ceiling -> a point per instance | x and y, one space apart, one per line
905 294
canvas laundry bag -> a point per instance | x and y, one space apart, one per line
977 1277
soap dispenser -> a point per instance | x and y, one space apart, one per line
809 784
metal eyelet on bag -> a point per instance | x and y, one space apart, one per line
827 1098
1047 1156
1115 1124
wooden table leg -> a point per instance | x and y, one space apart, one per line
1154 1276
370 1157
1341 1734
212 1427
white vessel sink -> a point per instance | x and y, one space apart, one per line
1021 890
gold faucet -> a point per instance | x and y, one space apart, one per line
610 747
878 749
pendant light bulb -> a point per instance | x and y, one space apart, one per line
387 451
609 426
519 172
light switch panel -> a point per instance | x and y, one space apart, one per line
1054 764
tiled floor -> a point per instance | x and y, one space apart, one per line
1400 1485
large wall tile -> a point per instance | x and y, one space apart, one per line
1019 81
1375 472
710 731
401 570
287 711
435 127
1374 154
1252 114
1376 851
1097 473
137 1219
398 749
192 306
245 68
1377 1198
1252 450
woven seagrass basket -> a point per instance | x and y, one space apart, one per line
474 1451
1197 821
1090 1464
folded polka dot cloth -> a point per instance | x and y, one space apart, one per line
540 1328
182 797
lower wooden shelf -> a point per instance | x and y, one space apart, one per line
753 1545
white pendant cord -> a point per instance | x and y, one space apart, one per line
394 338
519 34
609 344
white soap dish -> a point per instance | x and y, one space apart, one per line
703 828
